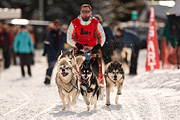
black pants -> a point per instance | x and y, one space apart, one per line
6 55
25 60
107 53
134 60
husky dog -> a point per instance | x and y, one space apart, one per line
88 85
114 77
66 80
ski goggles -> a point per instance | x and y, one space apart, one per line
83 11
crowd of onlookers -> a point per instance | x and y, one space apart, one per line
20 41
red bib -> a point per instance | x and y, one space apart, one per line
85 34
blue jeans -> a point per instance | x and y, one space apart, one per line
50 70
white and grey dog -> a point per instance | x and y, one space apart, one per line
67 76
66 80
114 77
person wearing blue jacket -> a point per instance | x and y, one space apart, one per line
24 47
52 47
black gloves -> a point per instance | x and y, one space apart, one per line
79 46
96 48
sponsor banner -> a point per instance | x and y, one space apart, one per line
152 57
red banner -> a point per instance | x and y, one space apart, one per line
152 57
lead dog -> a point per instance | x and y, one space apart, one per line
66 80
88 85
114 77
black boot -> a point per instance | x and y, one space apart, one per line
47 81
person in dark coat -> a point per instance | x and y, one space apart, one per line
128 38
5 44
52 47
107 48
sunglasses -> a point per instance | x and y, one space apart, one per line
83 11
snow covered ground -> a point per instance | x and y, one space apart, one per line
153 95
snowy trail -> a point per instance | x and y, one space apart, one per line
153 95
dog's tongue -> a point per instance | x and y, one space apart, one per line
84 78
64 74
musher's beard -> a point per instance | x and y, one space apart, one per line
86 18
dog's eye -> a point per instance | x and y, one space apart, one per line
68 68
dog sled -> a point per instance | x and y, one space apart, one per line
97 61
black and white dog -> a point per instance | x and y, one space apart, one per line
114 77
88 85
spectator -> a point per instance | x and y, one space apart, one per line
129 39
14 32
23 46
5 44
46 33
64 29
52 47
107 49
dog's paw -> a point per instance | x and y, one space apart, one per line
119 93
64 108
108 104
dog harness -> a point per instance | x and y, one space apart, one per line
68 91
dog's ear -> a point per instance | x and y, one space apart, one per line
72 52
59 58
62 52
107 65
120 65
79 60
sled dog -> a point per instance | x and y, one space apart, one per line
66 80
114 76
88 85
